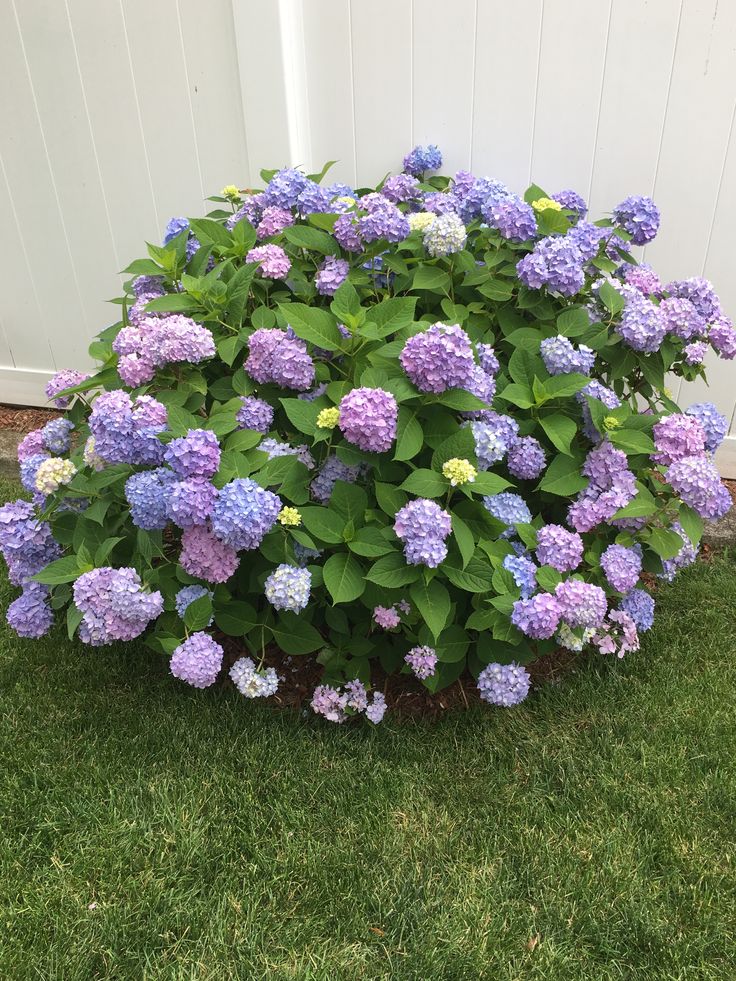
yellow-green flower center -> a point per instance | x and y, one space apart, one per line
459 471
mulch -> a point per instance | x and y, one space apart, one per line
23 420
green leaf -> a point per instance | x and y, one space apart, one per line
632 441
346 303
458 398
181 421
548 578
476 577
211 232
425 483
350 501
463 538
560 430
313 324
302 415
236 618
369 542
294 635
692 524
343 577
574 322
311 238
461 445
640 507
433 602
411 438
392 314
431 278
392 572
520 395
611 298
73 619
198 614
174 303
390 499
238 290
488 483
665 543
66 569
452 644
563 477
325 525
242 440
228 348
562 386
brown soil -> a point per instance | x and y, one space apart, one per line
405 696
23 420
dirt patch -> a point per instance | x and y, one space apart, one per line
406 697
23 420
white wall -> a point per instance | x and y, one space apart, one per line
117 114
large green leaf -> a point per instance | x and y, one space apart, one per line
326 525
313 324
66 569
392 571
392 314
294 635
343 577
433 602
410 437
563 477
311 238
425 483
236 618
560 430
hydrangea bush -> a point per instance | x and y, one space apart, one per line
425 425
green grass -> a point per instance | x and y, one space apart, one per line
151 831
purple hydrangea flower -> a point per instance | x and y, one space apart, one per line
376 710
512 217
642 325
274 262
446 235
157 341
31 445
386 617
244 513
537 617
284 188
195 455
560 548
561 357
57 435
26 544
422 525
29 469
581 604
722 337
439 358
368 418
701 294
187 595
190 502
197 660
422 158
401 187
475 193
490 442
526 459
276 357
713 424
524 572
622 567
273 221
174 227
487 359
347 233
66 378
504 684
640 607
508 508
685 557
114 605
612 486
30 615
695 353
314 200
677 436
254 414
147 493
274 448
331 275
639 216
556 263
681 318
587 237
422 661
607 396
618 635
696 480
288 587
384 222
572 201
440 202
332 470
205 556
642 278
251 210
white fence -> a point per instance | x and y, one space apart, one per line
117 114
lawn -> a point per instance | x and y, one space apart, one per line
151 831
